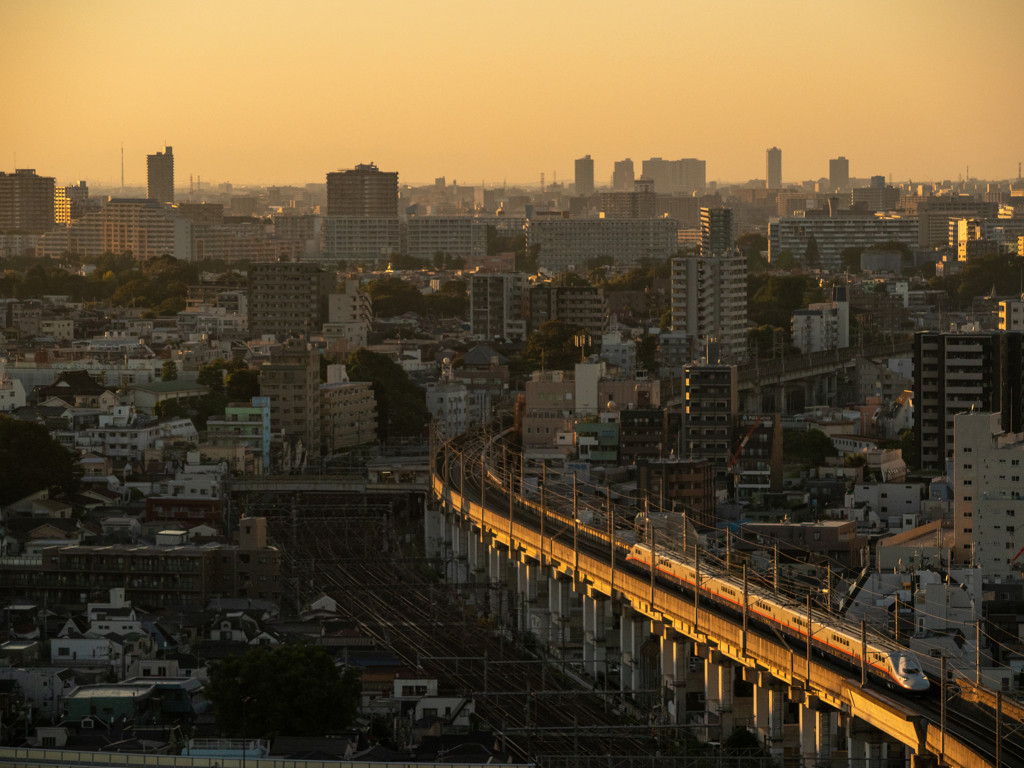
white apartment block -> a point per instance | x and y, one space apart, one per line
448 404
824 325
349 314
709 302
1011 315
121 434
345 237
212 321
834 233
458 235
988 502
146 228
12 391
498 305
568 243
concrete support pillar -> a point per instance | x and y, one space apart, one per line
497 565
632 630
762 713
808 736
776 718
594 632
866 746
432 531
726 685
674 666
824 736
558 604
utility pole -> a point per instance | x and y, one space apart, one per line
977 654
810 633
775 578
543 509
696 585
611 536
942 724
654 560
863 653
575 529
746 609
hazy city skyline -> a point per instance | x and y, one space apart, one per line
249 95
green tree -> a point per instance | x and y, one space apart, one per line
666 321
401 405
393 296
785 261
811 256
293 689
752 241
212 374
774 297
451 300
810 448
553 347
849 258
31 460
169 371
756 263
169 409
242 385
647 352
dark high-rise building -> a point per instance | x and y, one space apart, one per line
773 168
686 175
160 176
624 177
717 231
585 176
839 174
26 201
364 192
957 371
287 297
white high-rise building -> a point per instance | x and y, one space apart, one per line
709 303
988 505
823 325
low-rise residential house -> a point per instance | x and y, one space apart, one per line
45 688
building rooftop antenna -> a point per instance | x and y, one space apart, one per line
122 168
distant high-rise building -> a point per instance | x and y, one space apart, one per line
839 174
364 192
292 381
962 371
686 175
717 231
160 176
585 176
26 201
709 304
773 165
288 297
623 177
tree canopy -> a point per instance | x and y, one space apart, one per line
292 689
401 405
31 460
785 260
553 347
393 296
812 256
809 448
1003 273
772 298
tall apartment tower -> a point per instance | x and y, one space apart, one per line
717 231
839 174
287 297
498 306
292 381
711 414
364 192
709 304
773 168
160 176
987 480
623 177
585 176
26 201
958 371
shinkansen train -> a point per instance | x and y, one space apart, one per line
887 662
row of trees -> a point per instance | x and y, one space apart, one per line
393 296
